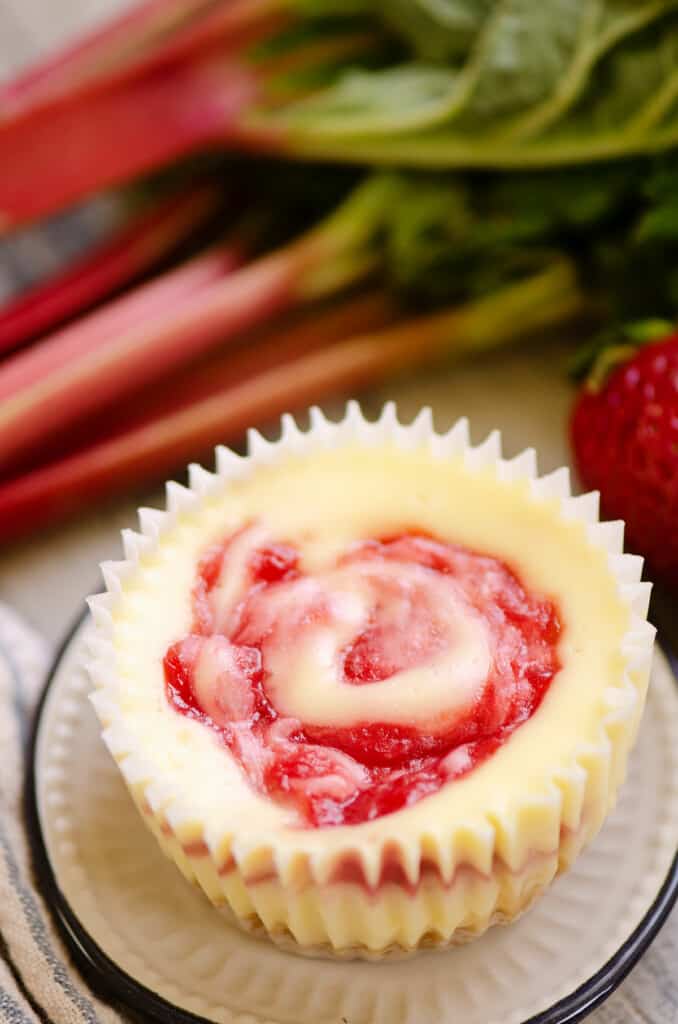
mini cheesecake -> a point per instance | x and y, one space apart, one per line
372 688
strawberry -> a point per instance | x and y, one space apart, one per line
624 434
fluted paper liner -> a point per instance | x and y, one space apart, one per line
453 878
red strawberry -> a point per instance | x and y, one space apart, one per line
625 440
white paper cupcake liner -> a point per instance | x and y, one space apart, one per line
487 870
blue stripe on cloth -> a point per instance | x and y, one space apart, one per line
32 914
18 980
34 254
10 1011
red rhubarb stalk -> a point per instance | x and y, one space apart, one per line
96 54
149 450
63 155
148 36
124 129
135 248
73 374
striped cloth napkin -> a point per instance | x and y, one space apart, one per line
38 982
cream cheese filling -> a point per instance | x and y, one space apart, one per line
322 502
309 622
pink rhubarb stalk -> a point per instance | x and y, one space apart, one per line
145 451
114 352
261 350
135 248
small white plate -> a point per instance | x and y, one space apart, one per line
144 935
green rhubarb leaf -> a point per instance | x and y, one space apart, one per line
633 88
515 59
539 84
390 100
437 30
464 236
522 53
603 27
659 223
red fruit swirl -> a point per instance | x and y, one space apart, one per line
377 636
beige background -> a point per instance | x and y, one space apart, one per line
29 28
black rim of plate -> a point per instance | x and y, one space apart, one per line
113 983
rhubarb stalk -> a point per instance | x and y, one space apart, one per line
166 109
117 135
174 320
136 247
142 39
148 450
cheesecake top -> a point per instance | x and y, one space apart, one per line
366 638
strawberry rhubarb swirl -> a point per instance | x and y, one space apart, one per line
349 690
